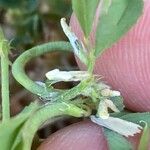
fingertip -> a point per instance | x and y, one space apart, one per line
79 136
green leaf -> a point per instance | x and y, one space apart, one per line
119 114
116 141
116 21
137 117
10 129
106 5
144 141
85 12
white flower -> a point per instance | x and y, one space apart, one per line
78 46
120 126
103 108
115 93
111 105
108 92
57 75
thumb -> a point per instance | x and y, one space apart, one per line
84 135
79 136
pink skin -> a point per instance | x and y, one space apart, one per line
126 67
80 136
76 137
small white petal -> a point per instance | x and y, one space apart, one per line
78 47
111 105
103 110
115 93
106 92
57 75
120 126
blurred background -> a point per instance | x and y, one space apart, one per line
27 23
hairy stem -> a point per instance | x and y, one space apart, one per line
5 88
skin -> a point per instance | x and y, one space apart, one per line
124 66
83 135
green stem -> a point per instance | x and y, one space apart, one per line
49 111
73 92
91 62
19 65
5 88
